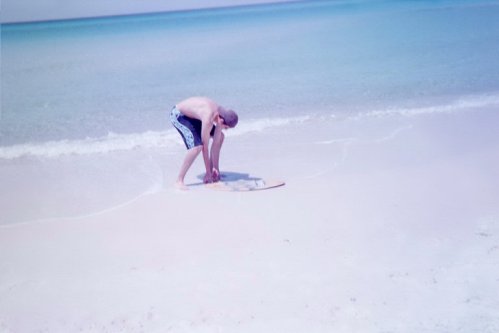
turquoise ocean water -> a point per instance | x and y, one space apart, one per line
73 91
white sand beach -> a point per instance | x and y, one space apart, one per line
390 224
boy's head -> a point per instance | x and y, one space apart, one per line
229 117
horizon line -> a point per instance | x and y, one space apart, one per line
161 12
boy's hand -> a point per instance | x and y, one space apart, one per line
215 175
208 178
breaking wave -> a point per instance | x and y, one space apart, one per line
125 142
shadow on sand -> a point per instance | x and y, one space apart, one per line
228 176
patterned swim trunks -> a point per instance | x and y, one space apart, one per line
189 128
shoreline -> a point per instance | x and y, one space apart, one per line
151 170
167 138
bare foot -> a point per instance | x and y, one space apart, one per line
180 186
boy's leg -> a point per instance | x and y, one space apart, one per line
218 140
188 160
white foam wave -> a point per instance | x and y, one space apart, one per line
109 143
263 124
169 138
125 142
471 102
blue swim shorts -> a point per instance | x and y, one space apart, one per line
189 128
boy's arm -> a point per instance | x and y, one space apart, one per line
206 126
215 152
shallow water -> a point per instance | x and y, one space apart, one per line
87 78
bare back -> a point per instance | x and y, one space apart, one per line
201 108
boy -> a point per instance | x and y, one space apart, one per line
197 119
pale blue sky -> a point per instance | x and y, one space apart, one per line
38 10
